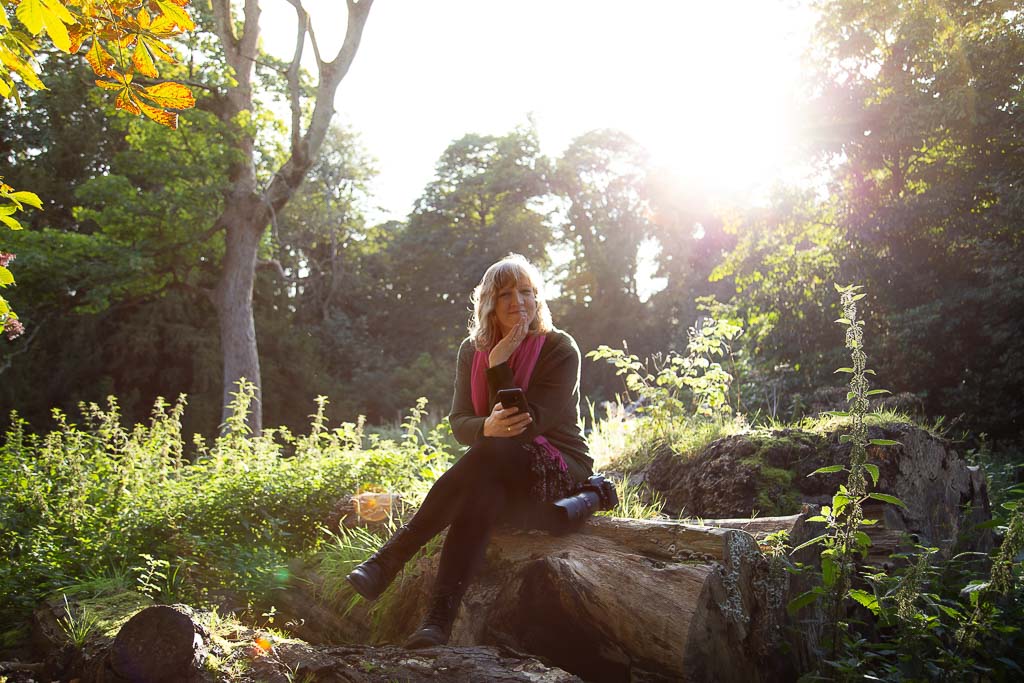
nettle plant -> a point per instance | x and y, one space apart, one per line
668 387
844 538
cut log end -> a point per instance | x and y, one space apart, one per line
160 643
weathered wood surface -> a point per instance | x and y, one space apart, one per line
622 600
884 541
365 664
160 644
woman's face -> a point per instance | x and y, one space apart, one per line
513 303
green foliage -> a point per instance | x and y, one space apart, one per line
927 622
77 625
635 503
844 540
672 388
80 500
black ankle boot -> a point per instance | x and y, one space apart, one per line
372 577
437 625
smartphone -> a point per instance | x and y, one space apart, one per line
513 397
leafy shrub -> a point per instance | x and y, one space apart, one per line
80 500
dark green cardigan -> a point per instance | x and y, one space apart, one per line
553 395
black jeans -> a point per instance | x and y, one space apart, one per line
493 477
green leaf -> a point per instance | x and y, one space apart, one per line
24 197
865 599
837 413
845 438
10 222
829 570
807 544
850 370
803 600
858 297
839 287
827 470
5 277
875 392
30 13
817 518
886 498
844 321
884 442
873 471
975 587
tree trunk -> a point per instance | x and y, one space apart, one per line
234 310
247 209
622 600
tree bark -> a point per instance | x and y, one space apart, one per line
620 600
235 314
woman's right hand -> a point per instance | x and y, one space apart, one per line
505 423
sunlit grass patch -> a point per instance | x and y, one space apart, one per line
633 504
627 443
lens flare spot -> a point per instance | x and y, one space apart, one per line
262 645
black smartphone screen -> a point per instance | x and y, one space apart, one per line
513 397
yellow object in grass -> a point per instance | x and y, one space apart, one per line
374 507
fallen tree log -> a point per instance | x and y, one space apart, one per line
621 600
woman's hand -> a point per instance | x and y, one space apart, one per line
505 423
504 349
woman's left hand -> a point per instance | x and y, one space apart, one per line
506 422
504 349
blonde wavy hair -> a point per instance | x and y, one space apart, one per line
512 270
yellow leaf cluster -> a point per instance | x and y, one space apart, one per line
126 38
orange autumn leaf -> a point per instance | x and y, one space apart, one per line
161 116
126 101
100 60
174 11
108 85
143 61
169 95
77 33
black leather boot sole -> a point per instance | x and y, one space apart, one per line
428 636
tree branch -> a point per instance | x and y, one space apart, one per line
275 265
23 347
222 26
294 94
250 39
288 178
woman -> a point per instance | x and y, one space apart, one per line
518 462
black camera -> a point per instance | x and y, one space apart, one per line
596 493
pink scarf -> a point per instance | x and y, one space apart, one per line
522 362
